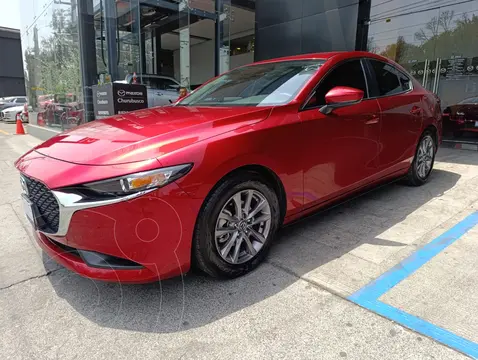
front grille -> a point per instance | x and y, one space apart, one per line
45 202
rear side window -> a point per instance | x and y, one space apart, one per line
390 81
405 82
347 74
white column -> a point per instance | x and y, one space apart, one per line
184 46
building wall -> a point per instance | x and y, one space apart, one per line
290 27
202 62
12 78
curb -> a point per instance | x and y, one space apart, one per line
460 145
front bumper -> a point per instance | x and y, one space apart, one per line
75 263
154 230
9 116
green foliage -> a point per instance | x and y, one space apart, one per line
53 66
442 36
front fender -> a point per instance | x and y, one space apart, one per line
215 159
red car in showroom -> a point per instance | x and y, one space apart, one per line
209 181
462 117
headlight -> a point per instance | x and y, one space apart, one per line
140 181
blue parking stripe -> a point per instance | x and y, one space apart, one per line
401 271
368 296
423 327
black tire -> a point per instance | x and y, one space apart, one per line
413 178
458 134
205 254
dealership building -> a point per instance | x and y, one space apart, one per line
71 45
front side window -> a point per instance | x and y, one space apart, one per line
349 74
256 85
167 84
387 78
147 81
21 100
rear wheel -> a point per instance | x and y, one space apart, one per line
236 226
422 164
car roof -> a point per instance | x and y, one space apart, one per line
13 97
326 56
152 75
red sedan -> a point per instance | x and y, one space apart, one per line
210 180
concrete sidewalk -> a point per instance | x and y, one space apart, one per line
293 306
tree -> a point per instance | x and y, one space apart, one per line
53 67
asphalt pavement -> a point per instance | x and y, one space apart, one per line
301 304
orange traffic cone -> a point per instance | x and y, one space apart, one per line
20 129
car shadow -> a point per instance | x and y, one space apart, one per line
195 300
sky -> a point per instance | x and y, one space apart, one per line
10 14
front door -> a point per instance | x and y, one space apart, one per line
340 149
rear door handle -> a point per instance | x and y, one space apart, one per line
372 120
416 110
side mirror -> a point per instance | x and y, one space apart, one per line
341 96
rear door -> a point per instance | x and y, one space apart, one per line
401 114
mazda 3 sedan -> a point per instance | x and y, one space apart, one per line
210 180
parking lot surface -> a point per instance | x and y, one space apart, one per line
299 304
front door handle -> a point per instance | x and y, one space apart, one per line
372 120
416 110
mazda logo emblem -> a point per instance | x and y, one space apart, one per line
121 93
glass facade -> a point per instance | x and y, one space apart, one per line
51 55
437 42
70 45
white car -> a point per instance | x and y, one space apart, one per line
10 114
162 90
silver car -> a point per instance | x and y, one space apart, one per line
162 90
11 101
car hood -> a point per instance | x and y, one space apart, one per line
14 109
470 110
146 134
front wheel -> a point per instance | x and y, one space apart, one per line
422 164
236 226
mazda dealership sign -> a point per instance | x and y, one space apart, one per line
111 99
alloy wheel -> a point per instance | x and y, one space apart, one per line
242 226
425 153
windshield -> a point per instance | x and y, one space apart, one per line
256 85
